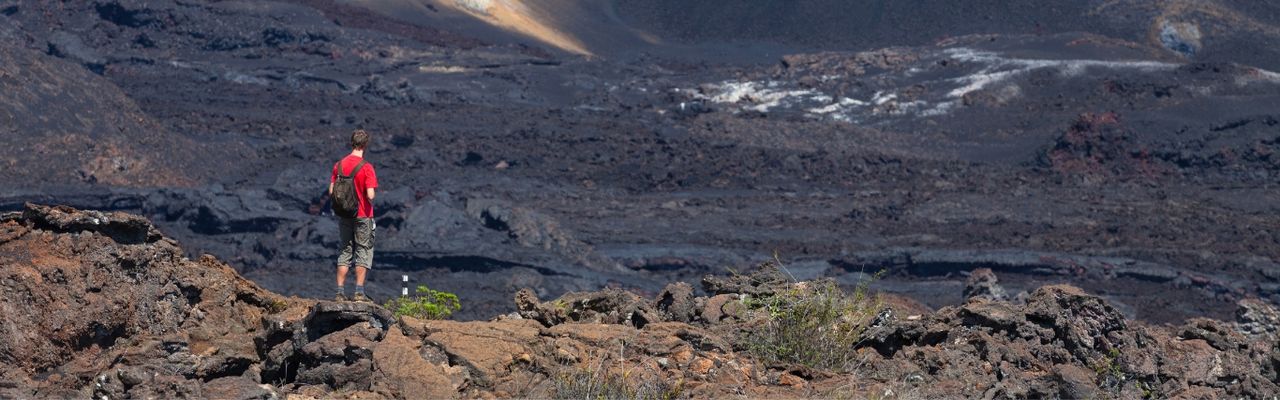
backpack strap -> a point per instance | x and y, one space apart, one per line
357 169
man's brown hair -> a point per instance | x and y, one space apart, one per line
359 139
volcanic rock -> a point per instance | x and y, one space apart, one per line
112 309
668 149
532 229
982 282
610 306
676 302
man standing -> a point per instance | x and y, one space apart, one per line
354 179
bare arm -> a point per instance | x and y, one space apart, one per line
370 194
331 188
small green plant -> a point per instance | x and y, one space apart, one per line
814 324
1109 367
275 306
425 304
600 384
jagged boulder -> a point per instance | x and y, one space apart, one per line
1258 318
609 306
676 302
343 359
982 282
399 367
1066 343
769 279
484 350
120 227
722 307
1082 323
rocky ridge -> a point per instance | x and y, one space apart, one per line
101 304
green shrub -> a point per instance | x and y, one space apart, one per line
425 304
276 306
600 384
814 324
1108 367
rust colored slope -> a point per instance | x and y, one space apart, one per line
515 16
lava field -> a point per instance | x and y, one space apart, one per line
1126 147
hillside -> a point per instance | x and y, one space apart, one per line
54 109
1080 144
102 305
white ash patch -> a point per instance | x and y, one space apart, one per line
998 68
757 96
837 106
925 90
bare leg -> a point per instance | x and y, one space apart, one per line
342 275
360 271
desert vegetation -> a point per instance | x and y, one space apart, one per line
425 303
814 324
602 383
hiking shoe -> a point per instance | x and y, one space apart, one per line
360 297
340 297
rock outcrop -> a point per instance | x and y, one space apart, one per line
101 305
983 283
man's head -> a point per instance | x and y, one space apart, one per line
359 139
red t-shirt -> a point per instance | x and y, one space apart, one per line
364 180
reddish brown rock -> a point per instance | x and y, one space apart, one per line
1076 382
702 366
715 309
787 379
400 369
91 312
486 349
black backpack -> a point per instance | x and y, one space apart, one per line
346 202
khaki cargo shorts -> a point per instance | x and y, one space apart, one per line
356 241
